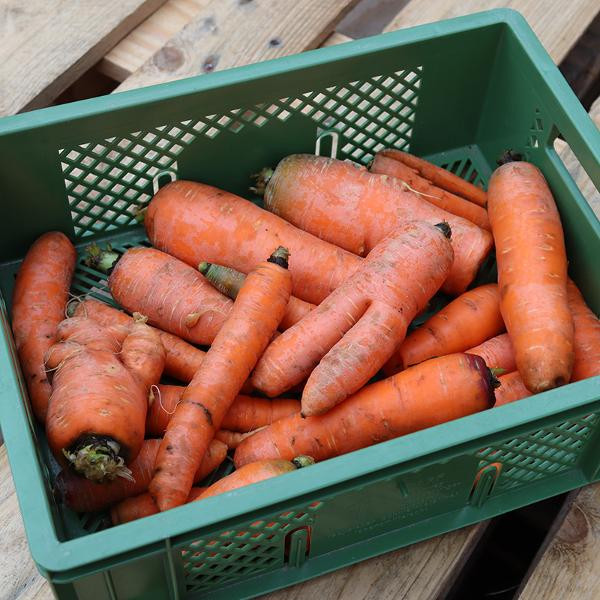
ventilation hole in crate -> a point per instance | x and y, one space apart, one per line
234 555
465 169
539 454
535 135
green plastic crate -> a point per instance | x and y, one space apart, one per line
460 92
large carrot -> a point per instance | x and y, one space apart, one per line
255 472
174 296
532 274
229 282
197 223
382 165
245 414
497 352
440 177
83 495
350 335
587 336
100 383
346 205
511 388
468 320
257 311
39 300
182 359
433 392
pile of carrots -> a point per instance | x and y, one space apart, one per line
311 297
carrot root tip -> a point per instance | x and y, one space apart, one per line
280 257
303 461
261 179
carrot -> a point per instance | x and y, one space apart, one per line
233 438
532 274
382 165
440 177
245 414
38 306
511 388
197 222
346 340
255 472
141 506
229 282
346 205
497 352
470 319
433 392
182 360
83 495
587 336
257 311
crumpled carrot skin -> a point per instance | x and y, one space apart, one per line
497 352
432 392
343 203
173 295
532 274
511 389
197 223
39 298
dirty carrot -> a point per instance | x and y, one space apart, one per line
197 223
346 205
470 319
382 165
258 309
39 299
233 438
497 352
587 336
511 388
349 336
173 295
245 414
532 274
439 177
255 472
182 359
229 281
433 392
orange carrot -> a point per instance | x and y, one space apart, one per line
440 177
470 319
497 352
346 205
382 165
229 282
39 299
587 336
349 336
196 223
433 392
245 414
257 311
174 296
100 383
83 495
255 472
532 274
182 360
511 388
234 438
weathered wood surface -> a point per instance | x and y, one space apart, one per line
45 45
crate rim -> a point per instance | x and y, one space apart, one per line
52 555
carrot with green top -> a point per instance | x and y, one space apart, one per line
343 342
258 309
229 282
586 341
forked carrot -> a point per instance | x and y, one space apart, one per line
532 274
440 177
433 392
511 389
348 337
38 306
257 311
497 352
586 341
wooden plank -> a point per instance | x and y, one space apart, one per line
231 33
47 45
558 24
148 37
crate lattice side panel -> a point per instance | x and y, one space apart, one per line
109 181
